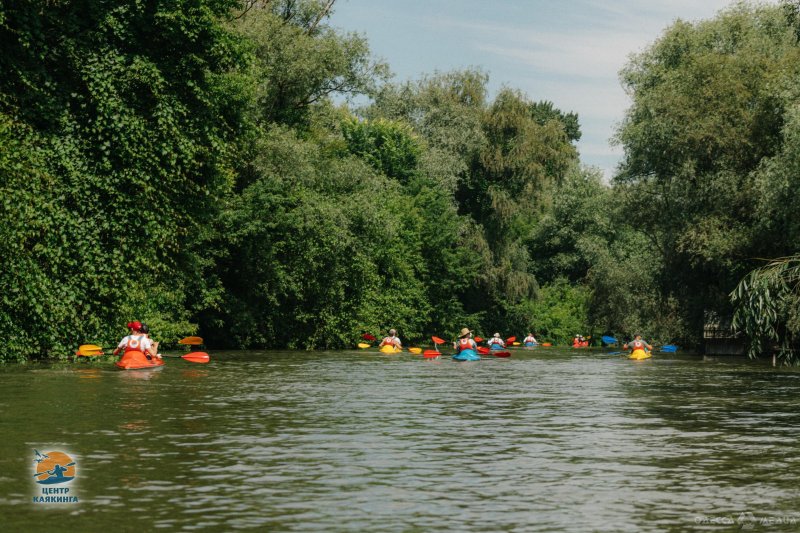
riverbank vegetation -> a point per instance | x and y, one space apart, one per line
199 166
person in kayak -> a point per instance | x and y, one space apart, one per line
391 340
496 342
135 341
465 342
530 340
637 344
146 332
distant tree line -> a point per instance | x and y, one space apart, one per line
196 165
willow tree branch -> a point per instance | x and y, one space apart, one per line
321 15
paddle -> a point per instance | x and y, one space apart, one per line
89 350
367 336
193 357
510 340
191 341
669 348
478 339
92 350
437 340
608 339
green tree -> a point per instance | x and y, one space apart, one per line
126 115
709 104
768 308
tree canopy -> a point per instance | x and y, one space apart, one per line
202 166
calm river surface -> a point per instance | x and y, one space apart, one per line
548 440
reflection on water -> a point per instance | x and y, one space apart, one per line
547 440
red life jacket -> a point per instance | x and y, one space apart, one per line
465 344
389 341
637 345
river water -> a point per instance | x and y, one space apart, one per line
548 440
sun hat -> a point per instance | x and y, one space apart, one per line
135 325
464 332
496 334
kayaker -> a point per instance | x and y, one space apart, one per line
391 340
146 332
530 340
637 344
465 342
135 341
496 342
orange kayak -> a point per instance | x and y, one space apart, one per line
136 360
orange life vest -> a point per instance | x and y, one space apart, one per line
465 344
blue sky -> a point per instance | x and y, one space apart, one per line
568 51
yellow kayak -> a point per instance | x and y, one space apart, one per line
640 354
390 349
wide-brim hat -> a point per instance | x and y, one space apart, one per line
464 332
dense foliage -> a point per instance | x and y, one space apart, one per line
197 165
711 147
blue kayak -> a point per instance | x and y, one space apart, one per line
496 347
529 344
467 355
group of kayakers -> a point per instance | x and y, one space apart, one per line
467 342
580 342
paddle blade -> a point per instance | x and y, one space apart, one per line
94 351
483 350
478 339
363 345
431 354
669 348
191 341
416 351
368 337
608 339
196 357
437 340
510 340
89 348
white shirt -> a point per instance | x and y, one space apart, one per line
136 342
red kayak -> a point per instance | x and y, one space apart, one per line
483 350
136 360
